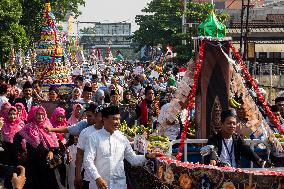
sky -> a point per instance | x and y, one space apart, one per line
112 11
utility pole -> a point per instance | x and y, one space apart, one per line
242 22
184 20
246 34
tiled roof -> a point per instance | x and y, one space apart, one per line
272 21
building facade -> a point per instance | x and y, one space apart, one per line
231 4
116 35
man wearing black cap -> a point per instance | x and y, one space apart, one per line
84 135
78 82
105 151
27 99
114 97
229 146
279 102
87 96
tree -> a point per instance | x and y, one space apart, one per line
33 14
11 32
88 30
162 24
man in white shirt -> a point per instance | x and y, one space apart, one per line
3 93
87 96
84 135
105 151
27 99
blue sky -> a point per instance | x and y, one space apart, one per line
112 11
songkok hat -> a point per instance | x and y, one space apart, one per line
114 92
80 78
52 88
92 108
27 85
279 99
228 113
87 89
111 110
148 88
3 88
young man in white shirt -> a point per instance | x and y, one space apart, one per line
105 151
84 135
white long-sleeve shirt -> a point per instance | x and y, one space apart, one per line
85 133
104 155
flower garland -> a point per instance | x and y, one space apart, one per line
52 24
191 98
256 89
178 163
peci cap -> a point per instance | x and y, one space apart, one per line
228 113
92 108
110 110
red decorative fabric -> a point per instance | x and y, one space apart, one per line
144 113
191 98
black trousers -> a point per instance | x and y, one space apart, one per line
86 184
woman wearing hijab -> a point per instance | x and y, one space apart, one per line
76 95
42 150
58 120
12 125
4 109
75 117
21 111
11 141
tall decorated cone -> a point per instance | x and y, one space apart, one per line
50 64
212 27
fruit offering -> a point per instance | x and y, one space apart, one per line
158 144
279 136
135 130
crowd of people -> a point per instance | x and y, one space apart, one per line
81 147
51 143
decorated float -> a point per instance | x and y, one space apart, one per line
213 82
52 66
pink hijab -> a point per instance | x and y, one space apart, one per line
35 133
72 120
4 113
59 112
24 112
9 128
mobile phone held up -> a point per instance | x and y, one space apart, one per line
8 170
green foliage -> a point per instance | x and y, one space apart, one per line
33 14
21 21
88 30
12 34
162 24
